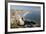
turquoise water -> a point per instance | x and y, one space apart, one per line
34 16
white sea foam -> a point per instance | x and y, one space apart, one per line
25 14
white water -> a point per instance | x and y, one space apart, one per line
25 14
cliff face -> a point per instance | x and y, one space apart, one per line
15 18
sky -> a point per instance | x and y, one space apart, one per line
30 8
